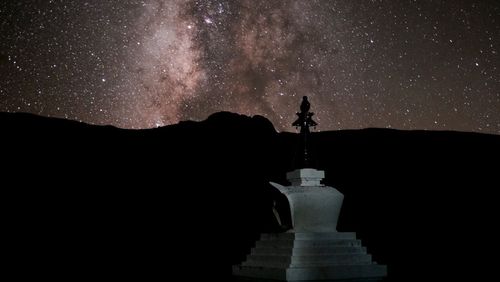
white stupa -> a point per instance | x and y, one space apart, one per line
312 250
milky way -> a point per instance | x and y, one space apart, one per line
141 64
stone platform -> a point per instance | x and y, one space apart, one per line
332 256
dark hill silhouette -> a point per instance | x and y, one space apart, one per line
190 199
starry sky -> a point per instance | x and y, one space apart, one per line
409 64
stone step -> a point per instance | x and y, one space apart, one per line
328 250
306 243
337 272
316 260
309 236
302 265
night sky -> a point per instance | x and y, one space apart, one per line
140 64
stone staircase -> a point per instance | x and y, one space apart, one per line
333 256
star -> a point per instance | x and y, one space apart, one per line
208 20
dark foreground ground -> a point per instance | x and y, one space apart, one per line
89 202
